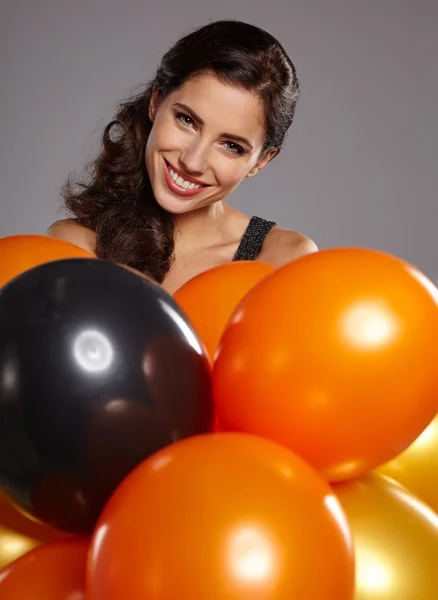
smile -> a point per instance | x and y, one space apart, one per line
178 184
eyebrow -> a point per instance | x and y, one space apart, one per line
234 137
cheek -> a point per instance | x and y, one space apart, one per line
230 172
165 136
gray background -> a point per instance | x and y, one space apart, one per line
361 163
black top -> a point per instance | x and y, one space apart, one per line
253 238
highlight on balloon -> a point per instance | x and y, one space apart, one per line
234 440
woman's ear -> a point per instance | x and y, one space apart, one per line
153 103
263 162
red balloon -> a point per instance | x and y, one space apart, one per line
55 571
222 515
334 356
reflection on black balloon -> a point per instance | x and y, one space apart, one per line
119 436
65 500
93 351
99 368
165 365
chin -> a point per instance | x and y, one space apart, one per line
175 206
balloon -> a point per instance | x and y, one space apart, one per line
218 516
54 571
396 540
98 370
18 534
217 425
210 298
334 356
417 467
18 253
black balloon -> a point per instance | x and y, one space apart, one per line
99 368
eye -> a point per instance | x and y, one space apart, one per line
187 121
235 148
184 119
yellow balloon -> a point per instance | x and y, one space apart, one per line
18 534
396 540
417 467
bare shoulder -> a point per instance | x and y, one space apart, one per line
69 230
282 246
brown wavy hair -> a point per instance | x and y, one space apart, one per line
117 201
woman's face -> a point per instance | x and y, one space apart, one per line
204 133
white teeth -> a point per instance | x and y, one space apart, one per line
186 185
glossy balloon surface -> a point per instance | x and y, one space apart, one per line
395 537
19 253
222 516
333 355
210 298
55 571
417 467
19 534
98 370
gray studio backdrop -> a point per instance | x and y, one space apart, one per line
361 163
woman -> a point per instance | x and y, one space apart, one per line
217 112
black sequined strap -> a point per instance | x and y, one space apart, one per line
252 241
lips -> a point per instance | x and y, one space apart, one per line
184 176
175 188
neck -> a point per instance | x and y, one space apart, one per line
202 227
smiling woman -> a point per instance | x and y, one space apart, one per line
207 156
216 112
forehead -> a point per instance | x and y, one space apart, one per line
222 107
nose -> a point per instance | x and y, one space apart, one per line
193 159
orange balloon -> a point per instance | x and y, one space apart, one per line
216 424
18 253
51 572
334 356
210 298
19 534
219 516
